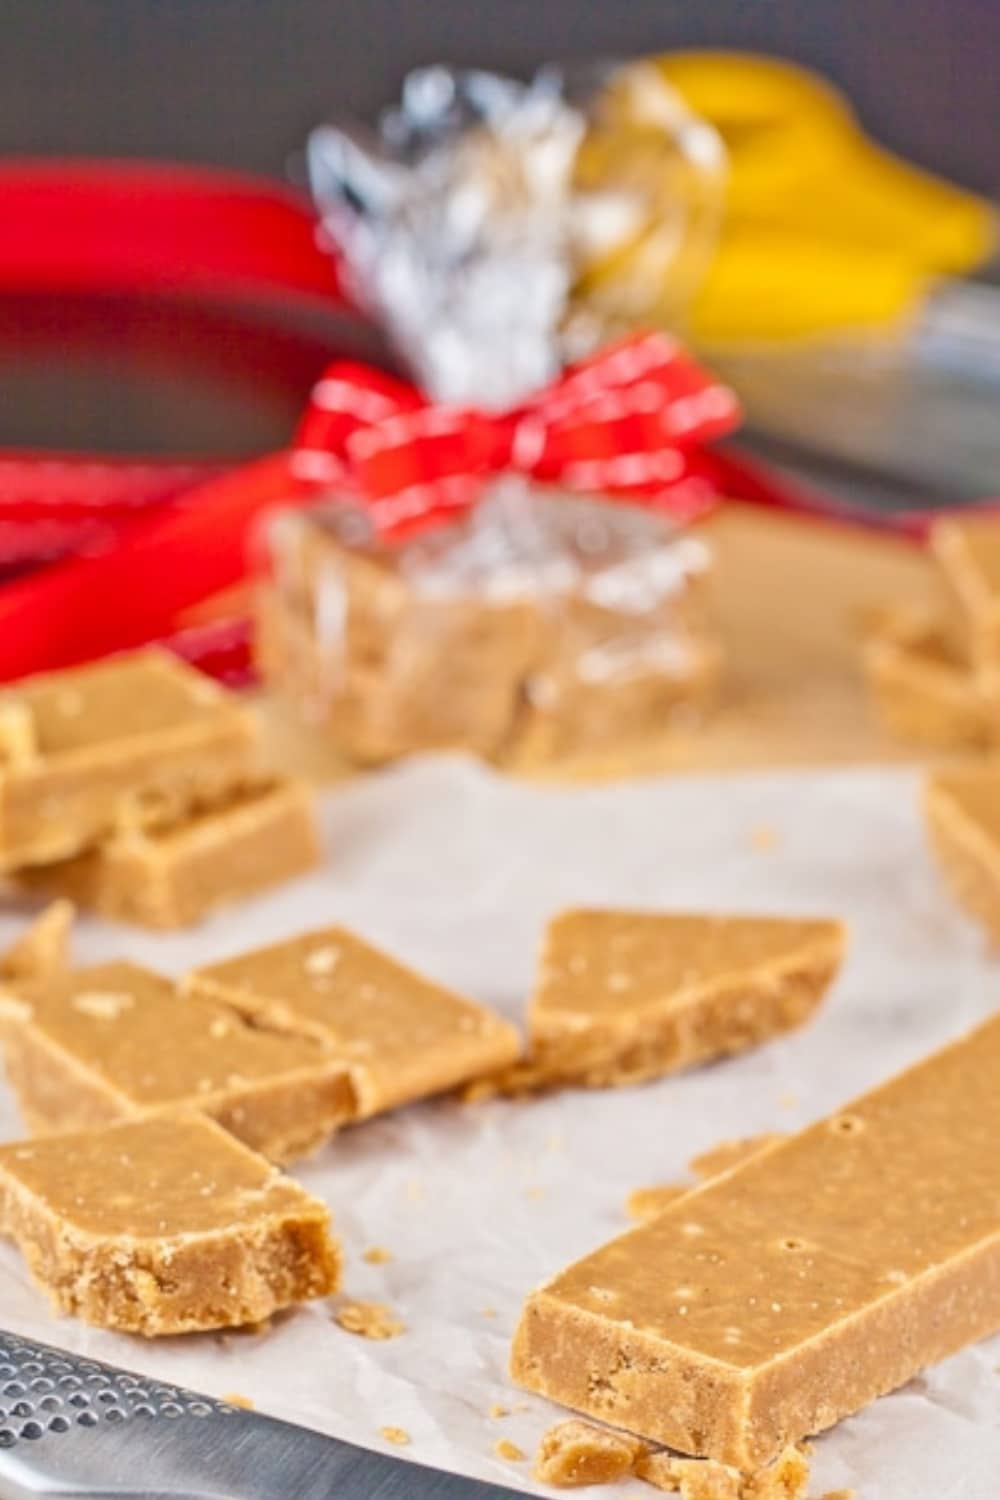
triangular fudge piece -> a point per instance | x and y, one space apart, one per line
626 996
42 950
963 817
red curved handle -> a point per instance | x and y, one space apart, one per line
115 226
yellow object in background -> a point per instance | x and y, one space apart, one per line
821 229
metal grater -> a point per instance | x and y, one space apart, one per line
76 1427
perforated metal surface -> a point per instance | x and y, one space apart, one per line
43 1391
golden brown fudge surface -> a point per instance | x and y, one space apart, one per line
126 740
963 819
925 693
773 1301
163 1226
403 1037
43 948
115 1040
623 996
968 549
174 876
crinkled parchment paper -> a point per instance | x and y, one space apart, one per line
456 869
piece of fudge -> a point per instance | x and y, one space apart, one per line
163 1226
395 648
133 740
923 689
962 808
538 624
115 1040
625 996
573 1454
968 550
43 949
176 875
402 1036
789 1292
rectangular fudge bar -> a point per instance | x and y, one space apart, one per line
625 996
174 876
131 740
403 1037
163 1226
771 1302
114 1040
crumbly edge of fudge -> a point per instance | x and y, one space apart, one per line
177 1284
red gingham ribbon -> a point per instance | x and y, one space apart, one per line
624 422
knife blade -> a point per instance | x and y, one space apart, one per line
77 1427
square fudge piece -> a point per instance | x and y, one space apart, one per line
403 1037
132 740
114 1040
163 1226
174 876
625 996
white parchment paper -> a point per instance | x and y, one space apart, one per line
456 870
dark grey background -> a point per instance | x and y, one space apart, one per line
240 81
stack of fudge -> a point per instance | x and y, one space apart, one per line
540 626
137 788
935 679
935 673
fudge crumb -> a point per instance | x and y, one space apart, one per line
322 960
646 1202
489 1312
535 1192
397 1435
729 1154
375 1255
691 1478
233 1398
838 1495
497 1411
788 1101
371 1320
785 1479
504 1448
102 1005
414 1190
577 1453
764 838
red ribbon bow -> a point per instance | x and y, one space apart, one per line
624 422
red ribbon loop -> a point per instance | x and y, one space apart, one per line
623 422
